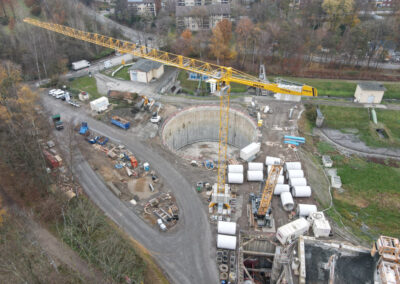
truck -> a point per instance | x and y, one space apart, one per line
80 65
120 122
58 124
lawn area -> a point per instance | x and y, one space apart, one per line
371 194
190 86
370 202
347 119
123 74
344 88
87 84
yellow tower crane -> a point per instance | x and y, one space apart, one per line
223 76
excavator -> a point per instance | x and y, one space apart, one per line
222 75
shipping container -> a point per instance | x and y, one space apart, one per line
80 64
291 231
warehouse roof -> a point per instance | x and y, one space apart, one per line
371 86
145 65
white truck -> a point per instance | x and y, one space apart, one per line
291 231
80 65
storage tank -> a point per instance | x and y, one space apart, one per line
272 161
281 180
279 188
294 174
235 169
301 191
297 182
269 169
292 166
235 178
255 175
256 167
287 201
227 228
226 242
304 210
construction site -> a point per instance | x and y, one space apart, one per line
243 161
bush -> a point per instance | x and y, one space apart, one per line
36 10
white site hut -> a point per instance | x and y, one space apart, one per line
369 93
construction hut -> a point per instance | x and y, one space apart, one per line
369 93
145 70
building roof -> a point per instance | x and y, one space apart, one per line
145 65
371 86
132 2
214 9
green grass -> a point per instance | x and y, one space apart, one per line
190 86
344 88
371 196
123 74
325 148
87 84
345 119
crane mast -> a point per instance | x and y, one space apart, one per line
222 74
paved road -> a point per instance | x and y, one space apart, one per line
187 254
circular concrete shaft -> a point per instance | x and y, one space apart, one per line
201 123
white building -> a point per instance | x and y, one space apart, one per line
145 70
369 93
143 7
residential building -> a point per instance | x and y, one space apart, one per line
145 70
369 92
201 14
143 7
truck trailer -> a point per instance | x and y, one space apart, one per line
120 122
80 65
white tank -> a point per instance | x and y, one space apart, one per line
279 188
297 182
235 178
227 228
281 180
287 201
294 174
292 166
235 169
301 191
226 242
303 210
269 169
255 175
272 161
256 166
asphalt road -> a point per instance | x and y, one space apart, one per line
187 255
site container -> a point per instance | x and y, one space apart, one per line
291 231
272 161
304 210
287 201
250 151
80 64
226 242
294 174
292 166
100 104
255 175
321 228
235 178
279 188
235 169
297 182
256 166
301 191
226 228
